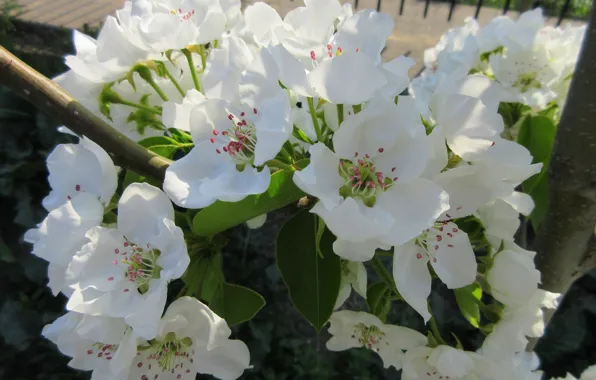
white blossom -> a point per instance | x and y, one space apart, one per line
350 329
123 272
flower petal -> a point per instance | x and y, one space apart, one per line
351 78
412 277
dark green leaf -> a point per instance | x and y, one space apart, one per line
313 281
221 216
467 300
540 196
204 276
378 301
236 304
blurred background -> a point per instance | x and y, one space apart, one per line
282 345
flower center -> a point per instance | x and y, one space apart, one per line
141 266
527 81
183 15
169 353
362 179
437 238
102 350
369 336
239 140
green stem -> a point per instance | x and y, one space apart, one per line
279 164
157 89
174 81
315 121
340 114
203 54
215 44
140 106
193 71
435 330
386 277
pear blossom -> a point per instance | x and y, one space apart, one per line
62 233
232 141
588 374
442 362
175 24
353 276
93 342
448 250
190 338
83 179
513 277
372 180
509 335
76 168
123 272
350 329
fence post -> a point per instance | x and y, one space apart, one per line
563 245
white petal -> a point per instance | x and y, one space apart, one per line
454 260
367 31
175 115
75 168
185 177
396 72
273 128
358 277
412 277
260 19
224 68
451 362
141 210
513 278
250 181
351 78
291 71
62 233
353 221
521 202
355 251
344 292
414 206
321 177
227 361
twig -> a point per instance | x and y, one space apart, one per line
57 103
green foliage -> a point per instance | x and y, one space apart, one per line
378 300
236 304
467 300
537 133
162 145
312 281
221 216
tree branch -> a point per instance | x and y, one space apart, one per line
57 103
563 242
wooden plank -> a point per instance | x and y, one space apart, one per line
92 16
36 7
78 13
45 12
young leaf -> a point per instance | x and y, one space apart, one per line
377 300
538 135
312 281
162 145
204 277
235 303
467 300
221 216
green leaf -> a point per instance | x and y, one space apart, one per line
221 216
204 277
378 300
162 145
467 300
131 177
236 304
312 281
538 135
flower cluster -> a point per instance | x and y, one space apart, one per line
116 277
532 61
429 178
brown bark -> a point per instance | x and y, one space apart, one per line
59 104
565 243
